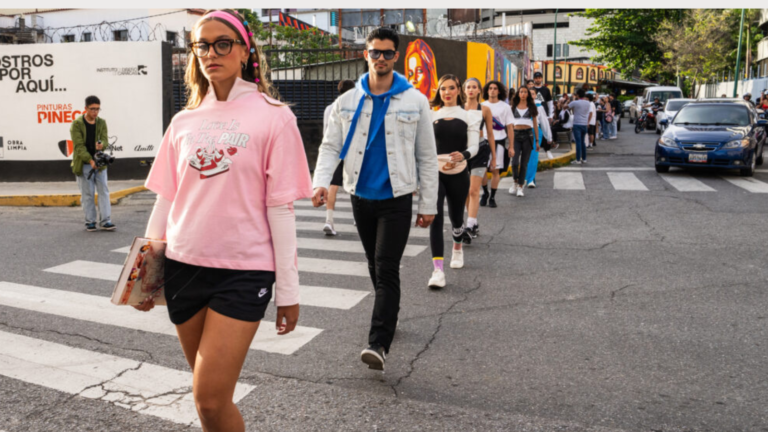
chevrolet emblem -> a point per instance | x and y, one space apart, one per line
699 146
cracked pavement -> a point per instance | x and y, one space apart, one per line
595 310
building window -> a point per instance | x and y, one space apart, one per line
558 72
592 75
120 35
171 37
549 50
601 74
579 74
87 37
68 38
560 50
566 50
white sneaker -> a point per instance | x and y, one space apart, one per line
532 185
520 192
457 259
513 189
575 162
549 155
328 229
437 280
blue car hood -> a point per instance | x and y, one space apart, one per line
698 133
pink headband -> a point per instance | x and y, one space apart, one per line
235 23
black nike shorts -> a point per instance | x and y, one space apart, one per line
239 294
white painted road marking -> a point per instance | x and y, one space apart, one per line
685 183
338 205
569 181
749 184
129 384
335 245
100 310
351 229
89 269
626 181
123 250
575 168
320 213
335 298
326 266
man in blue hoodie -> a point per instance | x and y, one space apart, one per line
383 132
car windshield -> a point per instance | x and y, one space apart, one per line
675 105
664 95
718 114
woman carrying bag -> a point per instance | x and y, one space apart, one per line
457 134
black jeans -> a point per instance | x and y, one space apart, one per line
455 188
383 226
523 149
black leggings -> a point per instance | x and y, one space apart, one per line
455 187
523 149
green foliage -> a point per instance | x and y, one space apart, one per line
623 39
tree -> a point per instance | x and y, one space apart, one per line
624 39
697 45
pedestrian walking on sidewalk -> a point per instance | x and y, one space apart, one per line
495 94
615 113
486 154
591 129
542 141
90 138
226 175
546 95
336 181
525 123
457 135
581 117
382 169
600 110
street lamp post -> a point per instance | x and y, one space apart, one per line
738 56
554 54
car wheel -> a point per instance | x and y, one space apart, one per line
662 169
760 158
658 131
749 172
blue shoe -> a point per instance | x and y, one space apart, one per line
109 226
90 227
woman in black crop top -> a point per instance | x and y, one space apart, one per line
525 115
478 165
457 133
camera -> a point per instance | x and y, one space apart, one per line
101 159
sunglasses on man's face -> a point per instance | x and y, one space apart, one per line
375 54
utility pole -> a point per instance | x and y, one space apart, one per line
738 56
554 54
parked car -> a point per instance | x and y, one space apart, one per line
663 93
670 109
726 134
627 107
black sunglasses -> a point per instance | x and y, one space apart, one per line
221 46
375 54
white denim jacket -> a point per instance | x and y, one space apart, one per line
410 142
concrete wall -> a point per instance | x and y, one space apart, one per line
576 30
754 86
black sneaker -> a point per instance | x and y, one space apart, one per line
492 203
484 200
109 226
474 231
90 227
374 357
466 238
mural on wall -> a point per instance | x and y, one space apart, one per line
421 68
592 75
499 66
423 60
510 75
480 62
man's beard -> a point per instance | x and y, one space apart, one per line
384 72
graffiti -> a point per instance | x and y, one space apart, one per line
421 68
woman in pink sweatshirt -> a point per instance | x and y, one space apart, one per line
226 175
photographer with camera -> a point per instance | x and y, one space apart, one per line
89 164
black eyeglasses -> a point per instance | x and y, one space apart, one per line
221 46
388 54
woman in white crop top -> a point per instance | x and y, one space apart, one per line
525 114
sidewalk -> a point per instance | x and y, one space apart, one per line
59 194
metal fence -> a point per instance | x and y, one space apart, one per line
308 78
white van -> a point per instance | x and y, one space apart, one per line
663 93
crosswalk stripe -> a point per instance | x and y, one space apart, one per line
685 183
572 168
335 298
749 184
506 183
350 229
356 246
124 250
321 213
626 181
338 205
325 266
569 181
308 298
100 310
129 384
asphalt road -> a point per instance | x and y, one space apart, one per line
642 309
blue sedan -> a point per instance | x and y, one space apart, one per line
723 134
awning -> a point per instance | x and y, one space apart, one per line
627 84
289 21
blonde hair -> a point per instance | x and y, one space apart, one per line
197 83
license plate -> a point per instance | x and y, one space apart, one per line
697 157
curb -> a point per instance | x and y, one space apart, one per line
70 200
558 161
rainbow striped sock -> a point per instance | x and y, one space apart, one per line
438 263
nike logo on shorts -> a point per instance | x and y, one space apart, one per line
263 292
